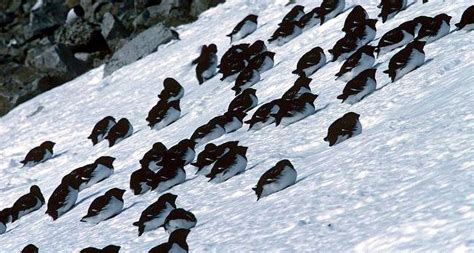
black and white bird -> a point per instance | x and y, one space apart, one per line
365 32
232 163
331 8
231 69
170 175
6 217
179 219
182 153
361 60
286 32
207 64
279 177
435 30
205 159
244 28
256 48
38 154
406 60
294 14
295 110
27 203
245 101
120 131
343 128
262 62
310 62
172 90
153 158
163 114
300 87
101 129
209 131
30 248
176 243
105 207
355 18
264 115
397 37
359 87
311 19
75 13
94 173
108 249
233 120
63 197
390 8
155 214
246 79
142 180
344 47
467 19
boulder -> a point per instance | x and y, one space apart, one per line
199 6
82 37
112 28
142 45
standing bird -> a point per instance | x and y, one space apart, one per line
105 207
120 131
343 128
39 154
406 60
163 114
176 243
179 219
27 203
390 8
207 64
232 163
435 30
155 214
359 87
108 249
101 129
244 28
245 101
295 110
361 60
310 62
63 197
279 177
467 19
172 90
331 8
94 173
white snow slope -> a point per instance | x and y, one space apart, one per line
405 184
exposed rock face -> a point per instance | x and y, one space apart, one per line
39 52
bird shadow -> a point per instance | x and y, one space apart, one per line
58 155
132 205
86 198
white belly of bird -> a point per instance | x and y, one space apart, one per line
368 88
177 97
247 29
175 248
68 202
262 124
253 80
215 133
280 41
152 165
266 65
407 38
3 228
357 130
314 21
366 62
339 8
238 167
416 59
144 187
158 220
189 156
205 170
310 70
210 71
47 155
178 179
468 27
369 35
172 225
171 116
232 126
100 137
113 208
297 116
287 178
37 206
100 173
443 31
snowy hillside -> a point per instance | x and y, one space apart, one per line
405 184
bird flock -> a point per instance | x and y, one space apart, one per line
162 168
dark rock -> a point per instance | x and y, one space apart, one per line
45 20
112 28
199 6
82 36
143 44
6 18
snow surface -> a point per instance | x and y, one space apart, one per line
405 184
